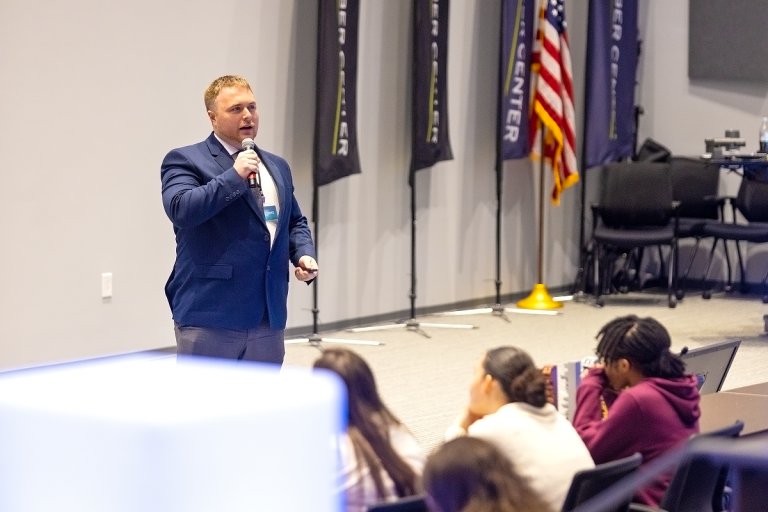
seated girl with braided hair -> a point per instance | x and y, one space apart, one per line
637 399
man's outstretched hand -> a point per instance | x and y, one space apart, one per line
307 269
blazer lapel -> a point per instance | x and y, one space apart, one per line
218 153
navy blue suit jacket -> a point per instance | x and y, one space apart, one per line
225 275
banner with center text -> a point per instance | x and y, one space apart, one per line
515 73
609 131
336 154
431 142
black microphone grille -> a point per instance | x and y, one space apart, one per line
247 144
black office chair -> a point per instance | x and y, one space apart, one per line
698 484
589 483
752 203
748 461
695 185
407 504
637 210
751 489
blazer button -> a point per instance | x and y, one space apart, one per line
266 238
226 199
268 268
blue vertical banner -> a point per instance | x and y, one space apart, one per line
431 142
609 131
515 74
335 149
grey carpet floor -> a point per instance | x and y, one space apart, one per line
425 380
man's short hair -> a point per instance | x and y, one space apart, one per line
220 83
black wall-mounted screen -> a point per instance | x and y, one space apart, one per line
728 40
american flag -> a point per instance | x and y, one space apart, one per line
553 99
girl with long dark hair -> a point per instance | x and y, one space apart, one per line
381 460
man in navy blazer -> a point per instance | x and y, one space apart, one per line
229 285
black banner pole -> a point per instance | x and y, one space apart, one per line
497 308
335 147
412 295
430 139
316 222
499 185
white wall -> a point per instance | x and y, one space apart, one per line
94 94
680 113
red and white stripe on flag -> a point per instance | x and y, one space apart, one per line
553 97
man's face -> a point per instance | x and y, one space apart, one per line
234 116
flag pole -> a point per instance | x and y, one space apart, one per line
540 299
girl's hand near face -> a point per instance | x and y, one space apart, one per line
467 418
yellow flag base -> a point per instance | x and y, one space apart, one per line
539 299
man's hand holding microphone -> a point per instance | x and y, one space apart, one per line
247 163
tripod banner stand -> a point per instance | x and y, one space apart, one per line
431 142
513 97
335 151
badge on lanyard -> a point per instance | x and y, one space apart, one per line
270 212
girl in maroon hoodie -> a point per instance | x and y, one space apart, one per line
638 399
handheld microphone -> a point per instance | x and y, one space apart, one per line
254 176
